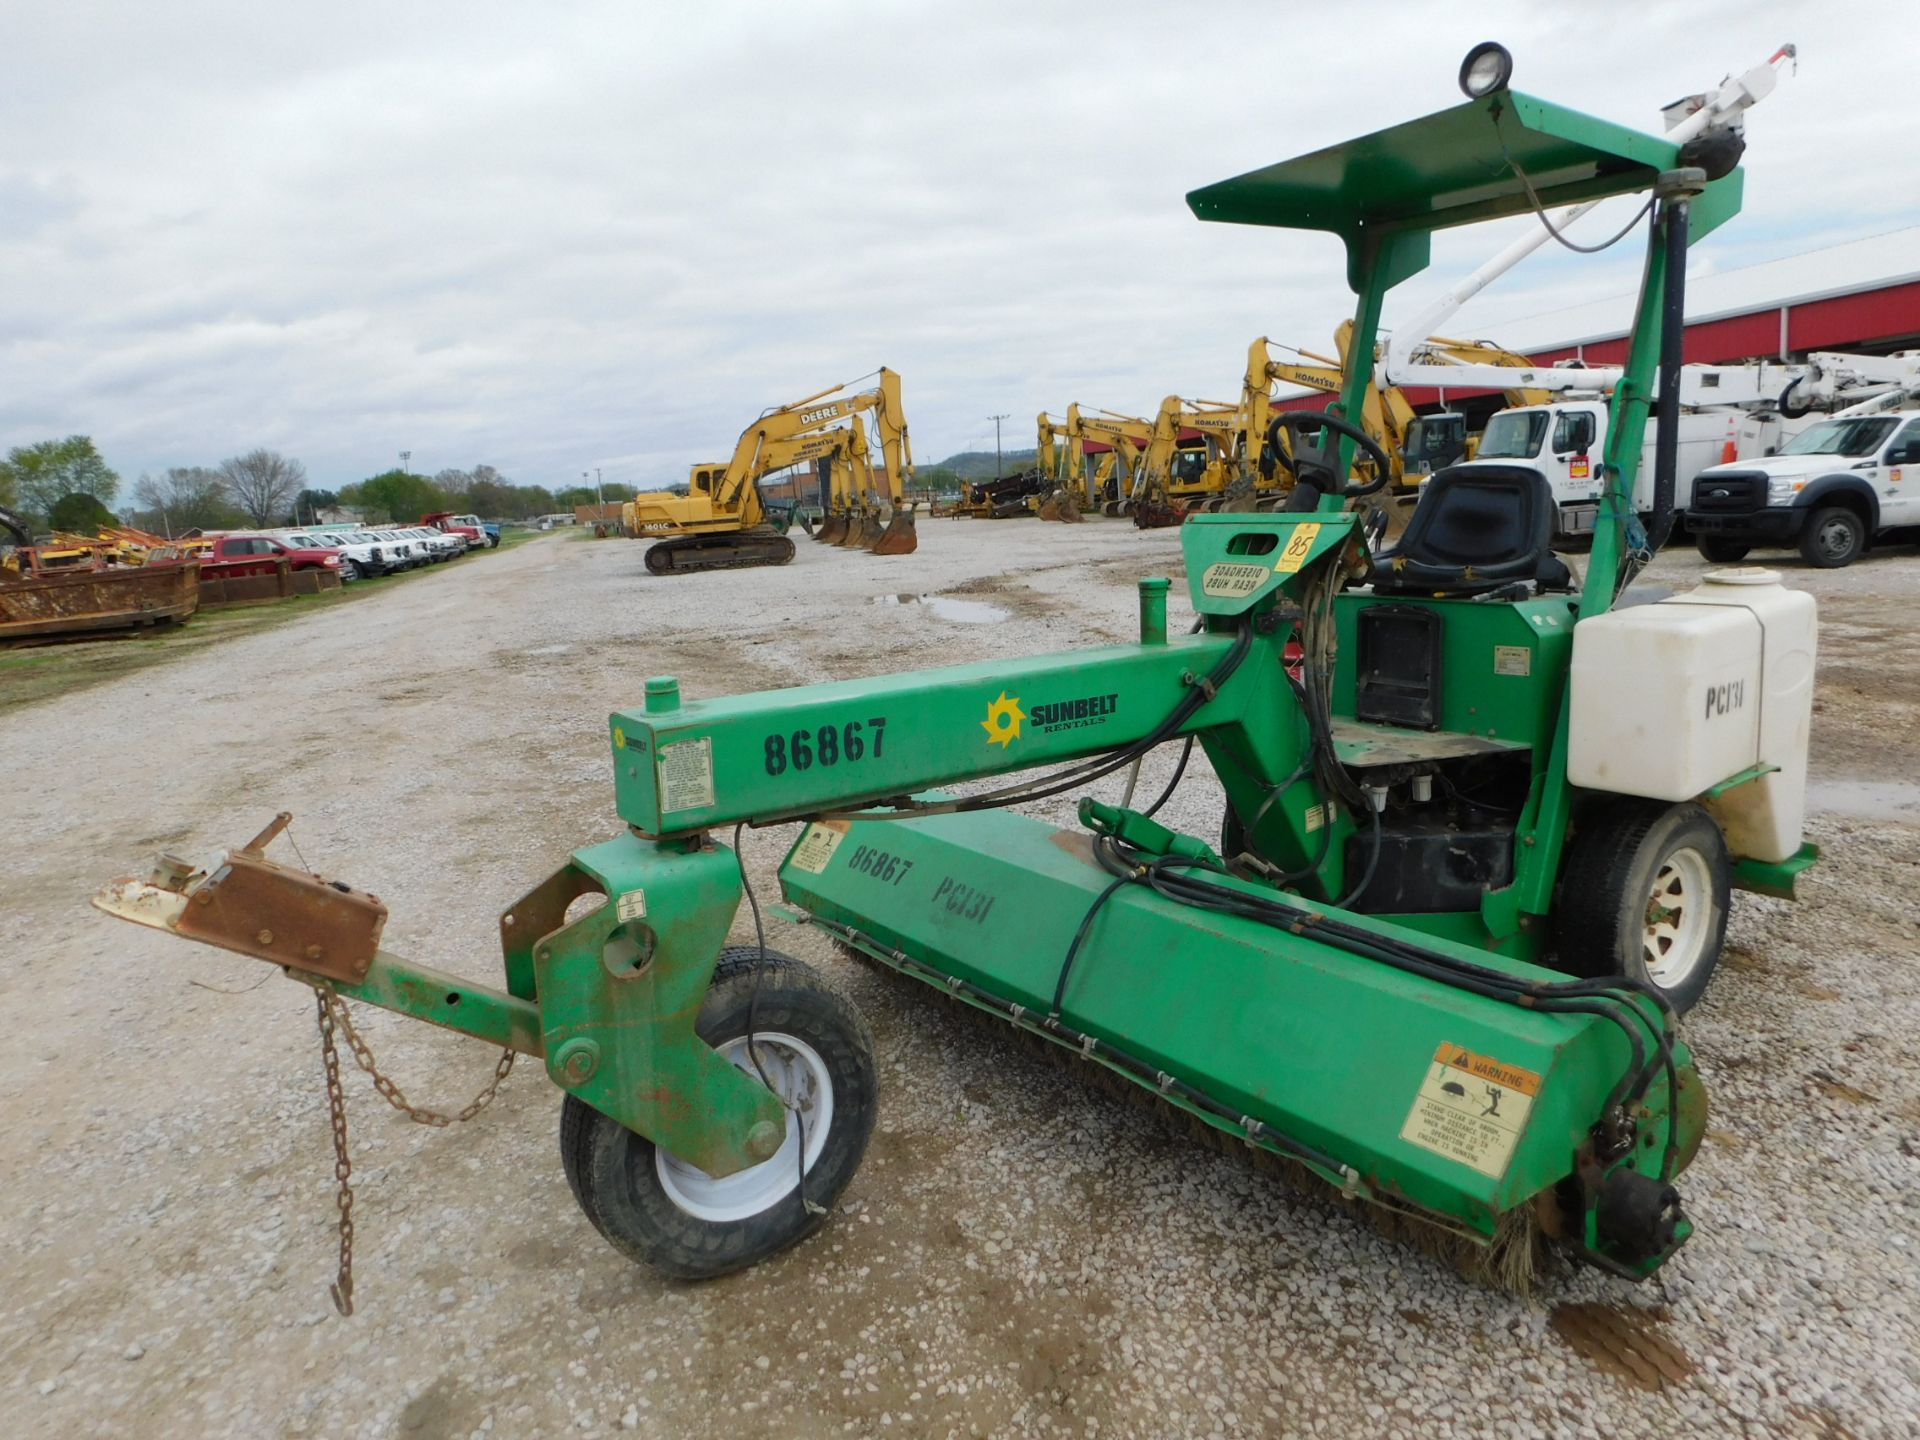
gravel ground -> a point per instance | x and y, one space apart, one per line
1020 1255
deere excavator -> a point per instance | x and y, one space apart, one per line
854 514
723 523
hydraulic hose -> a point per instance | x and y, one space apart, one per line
1675 214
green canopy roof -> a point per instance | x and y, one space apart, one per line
1454 167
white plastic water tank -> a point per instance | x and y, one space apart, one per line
1671 699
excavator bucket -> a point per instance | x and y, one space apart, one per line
898 536
1060 505
833 529
856 536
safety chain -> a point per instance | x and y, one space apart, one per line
332 1015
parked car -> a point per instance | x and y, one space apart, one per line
231 556
412 551
440 545
470 528
359 559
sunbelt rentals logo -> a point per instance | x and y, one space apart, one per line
1003 720
1006 722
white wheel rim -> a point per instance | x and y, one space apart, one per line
799 1077
1679 918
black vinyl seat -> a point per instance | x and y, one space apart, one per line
1475 530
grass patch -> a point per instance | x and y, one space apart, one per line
36 673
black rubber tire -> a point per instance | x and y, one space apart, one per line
611 1169
353 570
1834 536
1606 889
1718 551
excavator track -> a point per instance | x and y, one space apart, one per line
685 554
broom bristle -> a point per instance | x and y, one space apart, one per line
1512 1259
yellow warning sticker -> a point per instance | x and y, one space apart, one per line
1227 580
1471 1108
817 845
1299 546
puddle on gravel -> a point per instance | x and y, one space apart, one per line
1867 799
1624 1343
946 607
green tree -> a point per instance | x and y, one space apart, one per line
79 514
394 495
36 476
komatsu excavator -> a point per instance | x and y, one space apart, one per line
1195 458
1084 457
1473 859
723 523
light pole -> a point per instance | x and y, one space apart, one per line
406 459
997 464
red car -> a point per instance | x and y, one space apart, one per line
467 527
234 555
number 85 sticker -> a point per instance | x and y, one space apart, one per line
1299 546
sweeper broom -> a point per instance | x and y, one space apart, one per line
1478 830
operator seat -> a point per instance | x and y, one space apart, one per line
1474 531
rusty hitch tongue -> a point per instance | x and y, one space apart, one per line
257 907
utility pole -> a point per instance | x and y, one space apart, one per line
997 464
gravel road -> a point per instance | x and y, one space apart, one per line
1020 1255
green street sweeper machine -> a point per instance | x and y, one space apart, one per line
1465 876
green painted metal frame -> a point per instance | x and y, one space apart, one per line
609 997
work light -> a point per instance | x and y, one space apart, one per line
1488 67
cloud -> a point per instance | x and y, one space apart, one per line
556 237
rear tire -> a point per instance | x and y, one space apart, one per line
1721 552
1834 537
684 1223
1645 893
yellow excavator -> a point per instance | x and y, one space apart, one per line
1415 444
1239 470
854 518
1197 458
722 522
1088 460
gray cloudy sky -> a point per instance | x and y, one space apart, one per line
550 237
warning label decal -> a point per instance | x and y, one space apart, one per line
817 845
633 905
1512 660
686 775
1471 1108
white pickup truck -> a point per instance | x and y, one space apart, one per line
1832 490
